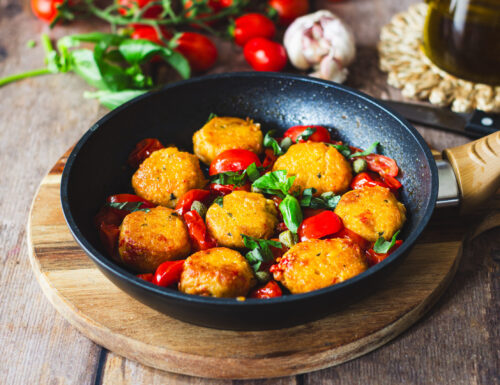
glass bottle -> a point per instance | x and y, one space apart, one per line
463 38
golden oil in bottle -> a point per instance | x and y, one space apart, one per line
463 38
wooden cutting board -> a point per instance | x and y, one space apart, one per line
111 318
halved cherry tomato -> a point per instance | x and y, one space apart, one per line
373 258
143 150
198 233
365 179
382 164
151 13
109 234
224 189
270 158
233 160
321 134
45 10
289 10
269 290
356 238
121 198
146 277
184 204
198 49
392 182
320 225
168 273
252 25
265 55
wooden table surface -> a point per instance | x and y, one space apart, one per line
458 342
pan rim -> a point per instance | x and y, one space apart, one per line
113 268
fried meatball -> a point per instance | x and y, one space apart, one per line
319 263
241 212
167 175
148 239
217 272
316 165
372 212
225 133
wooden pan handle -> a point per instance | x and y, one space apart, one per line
477 168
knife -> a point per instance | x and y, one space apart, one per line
474 125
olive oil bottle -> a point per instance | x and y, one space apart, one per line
463 38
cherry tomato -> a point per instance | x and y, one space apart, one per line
252 25
356 238
151 13
168 273
320 225
289 10
109 234
233 160
382 164
45 10
224 189
184 204
198 50
392 182
110 216
265 55
121 198
373 258
146 277
366 179
269 290
143 150
146 32
321 134
198 233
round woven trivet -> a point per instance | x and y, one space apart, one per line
401 55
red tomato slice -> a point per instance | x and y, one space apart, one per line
392 182
373 258
121 198
320 135
382 164
224 189
198 233
143 150
269 159
320 225
146 277
233 160
269 290
356 238
168 273
184 204
365 179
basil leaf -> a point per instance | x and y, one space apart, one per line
260 250
292 213
307 196
85 65
128 206
113 99
343 149
178 62
275 182
269 141
107 39
253 172
211 116
331 202
368 151
219 201
382 246
306 134
229 177
326 201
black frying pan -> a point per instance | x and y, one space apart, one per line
97 168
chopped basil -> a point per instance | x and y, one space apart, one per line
260 250
292 213
219 201
275 182
343 149
327 200
253 172
306 134
128 206
370 150
269 141
211 116
230 177
382 246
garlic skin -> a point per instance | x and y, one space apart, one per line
323 42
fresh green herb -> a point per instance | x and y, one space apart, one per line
382 246
253 172
260 250
292 213
270 142
219 201
128 206
211 116
368 151
275 182
306 134
236 178
327 200
343 149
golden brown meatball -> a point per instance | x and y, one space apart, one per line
241 212
319 263
316 165
148 239
167 175
217 272
372 212
225 133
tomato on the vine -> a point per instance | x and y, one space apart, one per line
45 10
252 25
146 32
289 10
233 160
151 13
198 50
265 55
320 134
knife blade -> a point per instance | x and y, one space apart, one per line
474 125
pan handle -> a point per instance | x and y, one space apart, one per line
477 168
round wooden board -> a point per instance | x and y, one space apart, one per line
118 322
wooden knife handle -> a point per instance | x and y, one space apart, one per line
477 168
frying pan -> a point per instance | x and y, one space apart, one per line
97 168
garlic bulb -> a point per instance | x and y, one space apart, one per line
321 41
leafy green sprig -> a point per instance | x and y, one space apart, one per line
260 251
382 246
128 206
236 178
346 151
327 200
